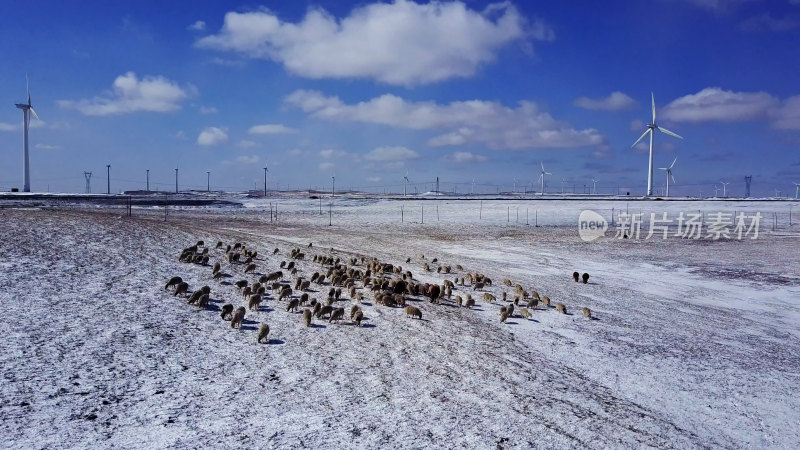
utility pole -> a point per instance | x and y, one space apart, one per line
148 180
208 181
88 176
176 180
108 178
265 180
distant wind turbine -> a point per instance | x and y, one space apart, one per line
541 177
405 185
594 187
669 173
650 128
725 188
796 190
26 118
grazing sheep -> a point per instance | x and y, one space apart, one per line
250 268
525 313
286 292
215 268
413 311
587 312
359 316
459 300
227 311
317 308
504 296
337 314
546 301
353 310
241 284
503 316
255 302
434 291
535 295
218 275
399 300
507 282
290 266
533 303
576 276
247 291
283 264
309 244
585 278
325 310
478 286
297 283
503 310
219 244
263 331
276 251
181 288
307 317
488 297
202 302
303 298
174 281
305 285
195 297
561 308
510 310
293 305
238 317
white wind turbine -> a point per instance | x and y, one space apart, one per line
26 118
594 186
650 129
405 185
725 188
796 190
669 173
541 177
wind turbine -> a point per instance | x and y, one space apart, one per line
541 177
405 185
26 118
796 190
725 188
650 129
669 173
594 187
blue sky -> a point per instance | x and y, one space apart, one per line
369 91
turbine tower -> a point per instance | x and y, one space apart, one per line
594 186
669 173
27 109
725 188
405 185
796 190
650 129
541 177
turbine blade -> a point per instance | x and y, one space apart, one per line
28 87
673 178
664 130
548 173
673 163
662 168
641 137
542 165
653 99
35 115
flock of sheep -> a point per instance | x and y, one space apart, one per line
342 278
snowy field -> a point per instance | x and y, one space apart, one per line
694 343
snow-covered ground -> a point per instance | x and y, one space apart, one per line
695 343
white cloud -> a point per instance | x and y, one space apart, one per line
617 101
374 179
464 122
180 135
129 94
466 157
271 128
7 126
637 126
294 152
208 110
48 147
331 153
243 159
787 116
326 166
715 104
391 154
400 43
766 22
246 144
197 26
211 136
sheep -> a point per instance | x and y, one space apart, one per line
276 251
459 268
507 282
238 317
195 296
202 302
503 316
174 281
227 311
459 300
504 296
286 292
218 275
297 283
307 317
290 266
469 302
255 302
246 291
488 297
478 286
535 295
303 298
181 288
561 308
545 301
241 284
433 292
283 264
317 307
576 276
399 300
215 268
305 285
525 313
533 303
219 244
337 314
359 316
510 310
353 310
293 305
263 331
585 278
325 310
587 312
250 268
413 312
